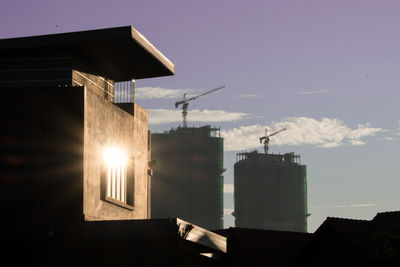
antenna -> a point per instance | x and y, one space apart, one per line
266 138
185 103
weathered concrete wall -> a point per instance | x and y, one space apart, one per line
96 84
107 125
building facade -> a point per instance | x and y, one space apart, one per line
69 153
270 192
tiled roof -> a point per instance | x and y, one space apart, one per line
388 216
345 242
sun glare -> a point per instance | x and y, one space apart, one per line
113 156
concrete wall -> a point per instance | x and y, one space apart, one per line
105 124
94 83
51 143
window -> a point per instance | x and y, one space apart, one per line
117 178
116 182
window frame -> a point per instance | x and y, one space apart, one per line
129 187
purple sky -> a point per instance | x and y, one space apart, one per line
337 59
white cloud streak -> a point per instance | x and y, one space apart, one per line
398 128
160 116
249 96
346 206
161 93
326 133
314 92
228 188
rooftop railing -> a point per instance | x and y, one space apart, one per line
124 92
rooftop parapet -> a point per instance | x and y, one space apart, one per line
289 158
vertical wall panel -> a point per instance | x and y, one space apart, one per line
41 156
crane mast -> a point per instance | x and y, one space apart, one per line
185 103
266 139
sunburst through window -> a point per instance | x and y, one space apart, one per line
115 160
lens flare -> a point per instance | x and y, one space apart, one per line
113 156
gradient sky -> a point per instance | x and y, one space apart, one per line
329 71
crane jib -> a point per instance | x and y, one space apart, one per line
185 103
206 93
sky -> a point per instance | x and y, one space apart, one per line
328 71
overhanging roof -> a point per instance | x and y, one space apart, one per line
119 54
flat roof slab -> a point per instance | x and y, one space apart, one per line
119 54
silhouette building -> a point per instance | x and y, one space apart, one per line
270 192
75 178
69 153
187 181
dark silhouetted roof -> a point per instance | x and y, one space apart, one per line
263 247
389 217
349 242
120 229
119 54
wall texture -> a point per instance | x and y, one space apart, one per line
107 125
51 141
41 161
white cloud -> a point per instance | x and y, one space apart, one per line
346 206
249 96
313 92
388 138
326 133
228 188
228 211
356 142
159 116
158 92
398 129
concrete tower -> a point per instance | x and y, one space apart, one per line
270 192
187 181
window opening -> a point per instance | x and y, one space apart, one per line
117 182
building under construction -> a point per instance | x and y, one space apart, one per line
270 191
187 181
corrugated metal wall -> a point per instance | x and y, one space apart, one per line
19 70
41 157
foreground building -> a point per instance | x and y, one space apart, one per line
188 181
70 154
74 178
351 242
270 192
337 242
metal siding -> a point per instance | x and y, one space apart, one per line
41 142
29 71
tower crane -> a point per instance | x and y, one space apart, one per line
266 138
185 103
